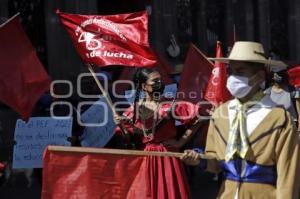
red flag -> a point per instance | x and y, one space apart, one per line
2 166
216 91
88 175
23 78
111 40
294 76
194 77
164 69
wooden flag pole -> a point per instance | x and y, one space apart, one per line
103 91
6 22
117 151
107 97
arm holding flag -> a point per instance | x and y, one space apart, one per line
108 99
110 40
210 162
187 113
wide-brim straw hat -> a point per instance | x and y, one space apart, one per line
248 51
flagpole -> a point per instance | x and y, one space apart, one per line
199 51
9 20
107 97
118 151
234 33
104 93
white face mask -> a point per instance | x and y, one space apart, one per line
238 86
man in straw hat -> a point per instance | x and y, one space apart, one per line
251 140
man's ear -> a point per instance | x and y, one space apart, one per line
143 86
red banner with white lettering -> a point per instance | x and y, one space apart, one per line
112 39
91 175
216 91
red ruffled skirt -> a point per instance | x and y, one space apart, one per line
160 178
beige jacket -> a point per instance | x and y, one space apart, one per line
274 142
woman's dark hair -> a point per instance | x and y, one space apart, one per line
141 76
280 77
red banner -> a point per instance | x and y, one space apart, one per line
216 91
23 77
294 76
112 39
88 175
194 76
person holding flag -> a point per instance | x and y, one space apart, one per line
251 140
153 117
123 40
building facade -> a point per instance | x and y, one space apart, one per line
274 23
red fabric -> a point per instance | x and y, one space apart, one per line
112 39
2 166
23 79
194 77
294 76
82 175
216 91
165 176
185 112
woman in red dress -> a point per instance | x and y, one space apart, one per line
154 119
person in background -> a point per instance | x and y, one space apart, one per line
283 94
251 140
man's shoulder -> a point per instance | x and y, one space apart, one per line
221 110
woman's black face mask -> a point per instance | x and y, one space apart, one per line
158 87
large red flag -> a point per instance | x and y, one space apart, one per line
216 91
22 78
91 175
111 40
194 77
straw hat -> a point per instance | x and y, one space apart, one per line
249 52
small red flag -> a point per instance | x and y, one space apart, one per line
216 91
195 75
294 76
88 175
112 39
2 166
23 78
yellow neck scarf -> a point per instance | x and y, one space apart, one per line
238 139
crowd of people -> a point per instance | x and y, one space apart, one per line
251 144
